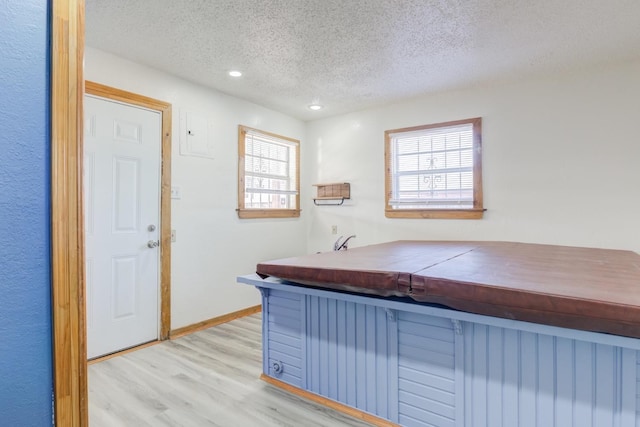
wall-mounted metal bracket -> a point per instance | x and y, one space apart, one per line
391 314
328 202
457 326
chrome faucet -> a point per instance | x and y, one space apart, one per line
338 245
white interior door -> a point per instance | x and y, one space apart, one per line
122 213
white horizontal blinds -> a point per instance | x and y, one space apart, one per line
433 168
270 172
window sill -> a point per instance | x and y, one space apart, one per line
476 213
268 213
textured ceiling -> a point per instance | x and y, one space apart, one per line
354 54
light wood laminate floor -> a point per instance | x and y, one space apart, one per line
208 378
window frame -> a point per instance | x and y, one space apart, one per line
475 212
248 213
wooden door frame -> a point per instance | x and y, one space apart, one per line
67 218
164 108
67 245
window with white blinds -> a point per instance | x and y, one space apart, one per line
434 171
268 184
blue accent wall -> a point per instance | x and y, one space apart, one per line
26 382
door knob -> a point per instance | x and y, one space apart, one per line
153 243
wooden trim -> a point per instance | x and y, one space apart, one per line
165 225
337 406
297 177
122 352
477 164
120 95
268 213
388 185
67 238
241 165
245 213
246 129
180 332
435 213
477 212
434 125
164 108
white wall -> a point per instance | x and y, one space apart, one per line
561 160
213 246
561 166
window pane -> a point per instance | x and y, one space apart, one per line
433 167
408 163
266 166
270 171
453 159
437 143
407 145
268 201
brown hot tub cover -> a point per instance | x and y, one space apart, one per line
581 288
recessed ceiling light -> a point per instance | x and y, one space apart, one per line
235 73
315 107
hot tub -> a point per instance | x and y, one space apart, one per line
459 333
